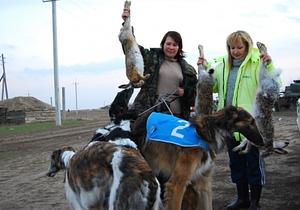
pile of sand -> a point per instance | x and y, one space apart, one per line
24 103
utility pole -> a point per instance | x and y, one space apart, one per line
76 101
64 103
3 77
55 62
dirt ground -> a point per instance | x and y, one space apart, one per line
24 161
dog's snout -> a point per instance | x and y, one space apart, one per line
52 171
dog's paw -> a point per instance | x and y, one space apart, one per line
280 144
280 151
276 148
237 148
242 146
241 149
243 152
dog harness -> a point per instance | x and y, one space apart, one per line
170 129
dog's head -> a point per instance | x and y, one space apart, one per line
56 162
239 120
119 107
231 119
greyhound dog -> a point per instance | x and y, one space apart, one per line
178 166
109 172
107 175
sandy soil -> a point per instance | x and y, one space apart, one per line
24 160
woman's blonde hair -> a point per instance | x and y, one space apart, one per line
238 36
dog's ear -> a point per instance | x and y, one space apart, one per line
231 115
225 118
234 118
56 154
203 126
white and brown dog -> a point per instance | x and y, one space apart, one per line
107 175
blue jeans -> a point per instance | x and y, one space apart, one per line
249 168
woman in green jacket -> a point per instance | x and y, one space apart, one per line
236 79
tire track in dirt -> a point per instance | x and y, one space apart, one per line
53 133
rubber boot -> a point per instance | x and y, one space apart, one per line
243 197
255 192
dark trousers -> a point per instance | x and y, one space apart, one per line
249 168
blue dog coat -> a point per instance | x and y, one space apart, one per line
170 129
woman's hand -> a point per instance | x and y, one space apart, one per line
266 58
202 61
180 91
125 14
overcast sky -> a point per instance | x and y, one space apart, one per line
90 54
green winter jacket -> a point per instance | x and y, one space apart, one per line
246 82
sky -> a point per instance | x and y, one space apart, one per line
90 55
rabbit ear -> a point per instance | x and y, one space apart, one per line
127 4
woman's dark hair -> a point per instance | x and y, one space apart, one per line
177 38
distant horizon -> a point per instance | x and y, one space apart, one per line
106 106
